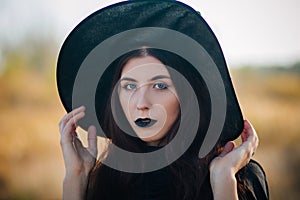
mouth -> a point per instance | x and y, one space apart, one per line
145 122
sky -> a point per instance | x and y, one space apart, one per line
256 32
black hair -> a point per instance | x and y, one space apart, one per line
189 174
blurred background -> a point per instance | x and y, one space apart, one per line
261 43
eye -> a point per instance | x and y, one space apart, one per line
160 86
130 86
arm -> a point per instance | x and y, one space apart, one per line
224 167
224 185
78 160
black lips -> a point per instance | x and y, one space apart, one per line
145 122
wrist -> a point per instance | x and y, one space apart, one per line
74 187
220 171
219 175
224 185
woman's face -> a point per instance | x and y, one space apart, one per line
148 98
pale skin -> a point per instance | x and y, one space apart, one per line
79 160
146 91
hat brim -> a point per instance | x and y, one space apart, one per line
129 15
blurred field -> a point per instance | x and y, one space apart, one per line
31 165
270 99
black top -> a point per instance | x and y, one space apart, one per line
156 185
255 179
159 185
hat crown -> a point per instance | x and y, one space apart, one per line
137 15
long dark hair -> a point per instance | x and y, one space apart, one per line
188 177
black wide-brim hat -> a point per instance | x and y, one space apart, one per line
164 24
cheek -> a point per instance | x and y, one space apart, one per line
124 101
129 106
171 106
174 107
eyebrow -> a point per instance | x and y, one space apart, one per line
152 79
159 77
128 79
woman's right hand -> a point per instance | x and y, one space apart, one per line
78 159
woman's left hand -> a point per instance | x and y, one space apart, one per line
224 167
234 158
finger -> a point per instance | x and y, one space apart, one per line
248 131
74 113
92 141
70 129
229 146
249 137
69 115
78 145
72 123
244 134
69 154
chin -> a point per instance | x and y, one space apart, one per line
151 141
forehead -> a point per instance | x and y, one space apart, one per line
143 67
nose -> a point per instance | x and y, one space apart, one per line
142 99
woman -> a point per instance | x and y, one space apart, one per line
147 93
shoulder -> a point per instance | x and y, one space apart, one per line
254 177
